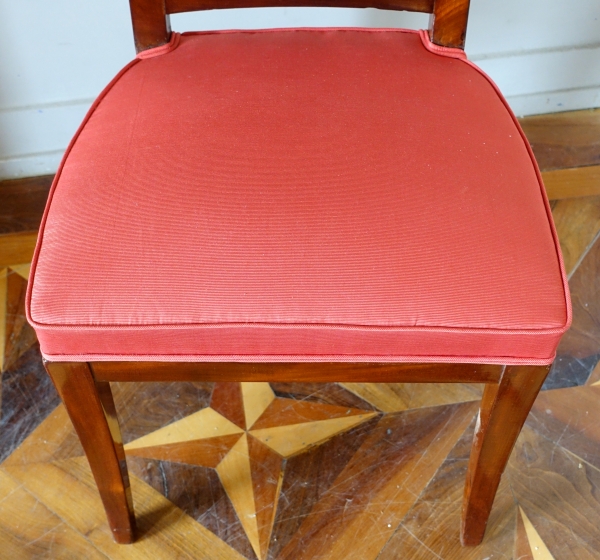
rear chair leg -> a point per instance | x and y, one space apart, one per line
92 410
504 408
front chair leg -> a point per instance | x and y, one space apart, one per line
504 408
92 410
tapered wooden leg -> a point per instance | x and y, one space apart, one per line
504 408
92 410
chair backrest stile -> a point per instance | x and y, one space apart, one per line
151 27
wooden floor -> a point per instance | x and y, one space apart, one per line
300 471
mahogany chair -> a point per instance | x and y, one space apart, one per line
328 205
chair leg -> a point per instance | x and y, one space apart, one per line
92 410
504 408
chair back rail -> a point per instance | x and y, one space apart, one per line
151 27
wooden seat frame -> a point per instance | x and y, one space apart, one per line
85 390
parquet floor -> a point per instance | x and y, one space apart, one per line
301 471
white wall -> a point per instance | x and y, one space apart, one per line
56 56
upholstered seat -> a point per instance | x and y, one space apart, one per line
299 195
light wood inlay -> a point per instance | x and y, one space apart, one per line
522 548
22 269
257 398
236 478
205 423
286 412
296 438
267 476
208 453
539 550
250 465
395 397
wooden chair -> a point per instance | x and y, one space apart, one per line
82 376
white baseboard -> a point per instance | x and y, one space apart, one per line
555 101
30 165
33 139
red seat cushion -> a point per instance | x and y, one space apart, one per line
303 194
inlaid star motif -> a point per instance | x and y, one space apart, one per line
246 434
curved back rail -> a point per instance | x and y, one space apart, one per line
151 27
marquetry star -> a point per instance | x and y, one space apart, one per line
246 434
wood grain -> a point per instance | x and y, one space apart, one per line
227 400
572 182
151 25
209 453
53 439
67 489
395 397
448 26
3 314
504 408
18 335
561 140
522 547
257 397
379 484
236 477
17 248
91 409
325 393
146 407
204 424
23 202
583 338
577 222
573 414
295 372
538 547
22 270
594 378
267 477
285 412
297 438
177 6
558 492
29 530
430 528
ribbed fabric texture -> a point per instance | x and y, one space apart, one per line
316 194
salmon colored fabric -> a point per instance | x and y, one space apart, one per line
299 195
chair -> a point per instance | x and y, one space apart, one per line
324 205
